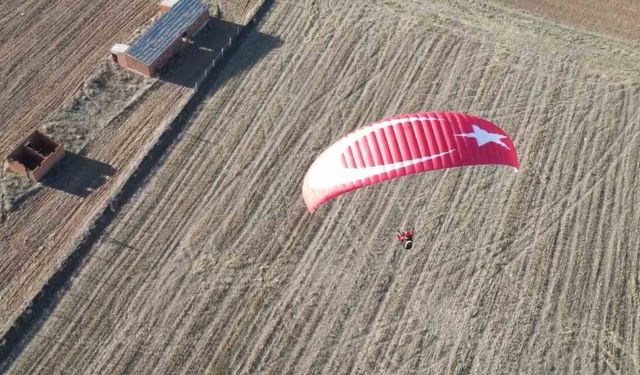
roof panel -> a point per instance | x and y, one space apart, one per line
148 48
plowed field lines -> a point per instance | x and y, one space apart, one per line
214 266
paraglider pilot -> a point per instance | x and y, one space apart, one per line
406 238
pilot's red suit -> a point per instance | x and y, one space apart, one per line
407 235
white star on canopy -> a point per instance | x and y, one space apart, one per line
483 137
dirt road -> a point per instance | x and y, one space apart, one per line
215 267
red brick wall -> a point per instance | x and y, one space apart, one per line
33 163
48 163
135 65
204 17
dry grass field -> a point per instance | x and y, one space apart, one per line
214 266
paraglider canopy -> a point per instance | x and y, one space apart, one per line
405 145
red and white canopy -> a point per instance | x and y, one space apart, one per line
404 145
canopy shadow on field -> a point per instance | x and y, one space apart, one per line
188 66
78 175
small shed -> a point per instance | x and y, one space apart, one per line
180 21
34 157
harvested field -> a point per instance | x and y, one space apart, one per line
38 238
215 267
47 50
102 97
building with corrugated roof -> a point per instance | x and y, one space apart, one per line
180 21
